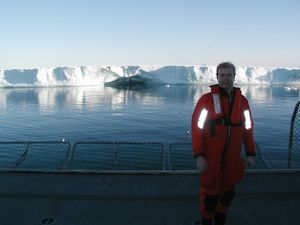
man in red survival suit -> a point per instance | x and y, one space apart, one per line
221 122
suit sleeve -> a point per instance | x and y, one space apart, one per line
248 138
197 133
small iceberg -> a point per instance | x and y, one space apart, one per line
127 82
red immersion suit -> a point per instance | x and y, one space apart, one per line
220 124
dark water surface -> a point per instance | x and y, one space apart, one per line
159 113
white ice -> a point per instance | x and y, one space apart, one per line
97 75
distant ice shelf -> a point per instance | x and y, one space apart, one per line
99 75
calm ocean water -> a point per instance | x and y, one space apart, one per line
158 113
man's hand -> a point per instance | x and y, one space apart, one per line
201 164
249 161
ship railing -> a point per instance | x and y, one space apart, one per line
294 139
103 155
107 155
47 155
110 155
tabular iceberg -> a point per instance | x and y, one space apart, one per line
97 75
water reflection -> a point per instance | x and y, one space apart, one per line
269 92
91 96
155 113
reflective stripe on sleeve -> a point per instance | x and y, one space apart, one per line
247 119
202 118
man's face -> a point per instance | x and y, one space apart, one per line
225 77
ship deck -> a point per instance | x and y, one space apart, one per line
140 197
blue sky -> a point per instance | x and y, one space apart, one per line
37 33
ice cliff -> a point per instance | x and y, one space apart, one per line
98 75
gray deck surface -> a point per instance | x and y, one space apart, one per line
140 198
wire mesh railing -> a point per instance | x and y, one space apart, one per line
260 161
294 139
34 155
117 156
181 158
101 155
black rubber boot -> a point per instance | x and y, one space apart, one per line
219 218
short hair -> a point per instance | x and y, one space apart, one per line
226 65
